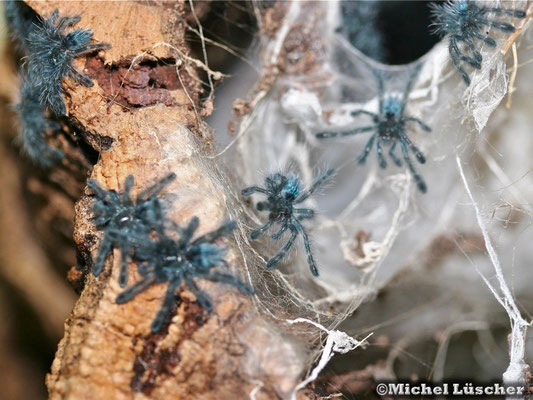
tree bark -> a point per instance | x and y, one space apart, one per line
108 351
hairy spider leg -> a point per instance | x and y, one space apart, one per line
274 261
417 121
477 57
379 150
507 11
105 248
319 181
417 177
154 190
125 197
503 26
363 156
168 302
272 184
201 297
456 61
488 40
418 154
123 274
253 189
216 234
393 155
281 231
304 213
188 232
307 247
134 290
261 231
328 135
358 112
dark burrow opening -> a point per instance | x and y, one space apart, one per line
392 32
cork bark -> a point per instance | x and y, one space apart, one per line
143 116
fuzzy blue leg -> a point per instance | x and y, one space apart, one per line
229 280
358 112
469 60
253 189
188 232
261 231
210 237
488 40
280 232
82 79
106 246
477 57
319 181
274 261
455 59
363 156
329 135
64 22
304 213
416 176
392 154
123 275
507 11
502 26
307 247
275 182
168 302
201 297
381 158
91 48
417 121
154 190
418 154
134 290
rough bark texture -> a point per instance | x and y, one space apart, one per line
145 130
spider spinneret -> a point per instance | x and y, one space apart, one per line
465 22
126 223
389 128
283 193
171 261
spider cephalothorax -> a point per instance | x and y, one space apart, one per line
173 261
390 127
283 194
466 22
51 52
125 222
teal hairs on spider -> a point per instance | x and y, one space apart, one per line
465 23
283 193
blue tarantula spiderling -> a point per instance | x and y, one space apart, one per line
466 22
283 193
51 52
173 261
390 128
34 126
125 222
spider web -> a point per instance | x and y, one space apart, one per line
375 234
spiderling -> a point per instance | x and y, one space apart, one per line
283 193
465 23
389 128
171 261
125 222
51 52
